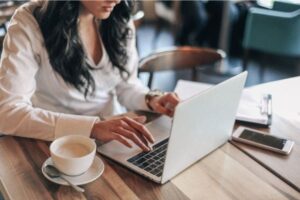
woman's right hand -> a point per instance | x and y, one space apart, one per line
124 129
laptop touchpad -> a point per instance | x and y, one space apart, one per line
160 128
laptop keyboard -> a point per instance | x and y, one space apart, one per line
152 161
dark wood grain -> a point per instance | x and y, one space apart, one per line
18 174
180 58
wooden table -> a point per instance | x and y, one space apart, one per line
227 173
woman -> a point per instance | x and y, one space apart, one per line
66 63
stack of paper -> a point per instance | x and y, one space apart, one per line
254 108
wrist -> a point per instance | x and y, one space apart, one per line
94 128
152 94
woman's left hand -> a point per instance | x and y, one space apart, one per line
165 104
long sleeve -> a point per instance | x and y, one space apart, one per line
131 93
18 67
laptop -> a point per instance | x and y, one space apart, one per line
200 125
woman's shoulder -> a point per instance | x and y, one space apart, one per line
29 7
24 17
24 23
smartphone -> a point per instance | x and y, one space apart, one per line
263 140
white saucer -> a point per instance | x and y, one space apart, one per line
90 175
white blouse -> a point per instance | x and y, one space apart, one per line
35 101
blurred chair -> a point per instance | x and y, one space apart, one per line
273 31
179 58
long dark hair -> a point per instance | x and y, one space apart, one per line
58 24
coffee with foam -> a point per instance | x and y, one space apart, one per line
73 154
72 150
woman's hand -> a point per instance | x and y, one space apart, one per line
165 104
124 129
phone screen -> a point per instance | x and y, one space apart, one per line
263 139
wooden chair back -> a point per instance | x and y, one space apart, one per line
179 58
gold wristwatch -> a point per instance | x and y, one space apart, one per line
151 94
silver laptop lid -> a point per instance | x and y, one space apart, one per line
201 124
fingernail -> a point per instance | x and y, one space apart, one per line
152 138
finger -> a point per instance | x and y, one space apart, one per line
141 137
133 136
161 109
124 125
140 127
128 127
141 119
168 104
121 139
144 140
170 98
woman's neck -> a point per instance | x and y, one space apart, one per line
85 17
88 31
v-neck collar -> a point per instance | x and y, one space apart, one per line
101 61
88 56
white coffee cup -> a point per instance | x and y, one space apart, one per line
73 154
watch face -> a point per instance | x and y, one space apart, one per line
150 95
